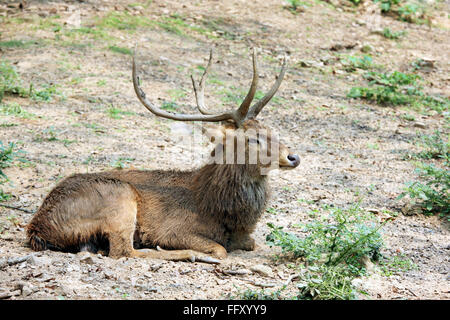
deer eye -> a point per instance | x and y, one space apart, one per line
251 140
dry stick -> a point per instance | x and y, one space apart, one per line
235 272
261 284
292 277
16 208
13 261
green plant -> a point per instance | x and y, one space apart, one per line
433 195
10 82
170 106
120 50
326 283
386 5
334 250
351 63
14 109
117 113
345 235
249 294
15 44
397 88
435 147
7 156
389 34
295 5
49 134
396 264
45 94
123 21
413 11
173 24
121 163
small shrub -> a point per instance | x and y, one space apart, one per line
412 11
397 88
14 44
396 264
432 195
117 113
249 294
351 63
45 94
326 283
123 21
435 147
7 156
333 250
10 82
389 34
295 6
170 106
120 50
14 109
345 235
121 163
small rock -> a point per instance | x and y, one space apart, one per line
26 291
74 20
38 261
220 282
358 284
15 293
5 295
420 125
367 48
367 263
411 209
262 270
86 257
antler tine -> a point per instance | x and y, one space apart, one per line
257 107
176 116
245 105
199 92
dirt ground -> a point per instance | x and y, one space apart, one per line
350 150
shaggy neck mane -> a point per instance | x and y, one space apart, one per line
234 193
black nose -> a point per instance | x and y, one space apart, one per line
294 159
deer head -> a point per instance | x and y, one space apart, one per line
240 139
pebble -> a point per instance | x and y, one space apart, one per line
86 257
420 125
262 270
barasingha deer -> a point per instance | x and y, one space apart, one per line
196 214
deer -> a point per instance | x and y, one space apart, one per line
197 215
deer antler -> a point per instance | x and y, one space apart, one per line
243 108
238 115
257 107
199 96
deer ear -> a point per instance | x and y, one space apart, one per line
215 133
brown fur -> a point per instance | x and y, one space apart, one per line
211 210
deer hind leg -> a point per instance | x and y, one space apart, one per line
174 255
120 229
202 244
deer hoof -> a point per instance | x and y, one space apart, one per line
207 259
